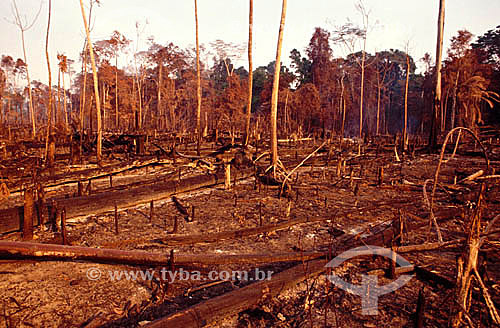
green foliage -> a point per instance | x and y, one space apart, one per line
489 43
302 67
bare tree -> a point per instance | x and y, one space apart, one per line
405 122
84 59
349 34
365 16
198 82
96 85
250 73
117 42
49 105
137 80
381 71
437 94
24 26
274 96
342 102
227 52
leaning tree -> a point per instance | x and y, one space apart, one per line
96 84
274 96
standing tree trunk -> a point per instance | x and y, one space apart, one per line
160 114
250 73
378 105
116 91
363 58
405 123
437 95
171 109
84 92
32 109
65 106
23 27
96 85
58 98
454 103
274 97
198 83
49 104
28 80
139 94
342 104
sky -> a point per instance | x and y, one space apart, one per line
394 24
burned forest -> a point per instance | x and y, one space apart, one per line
152 182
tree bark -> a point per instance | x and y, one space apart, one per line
250 74
96 85
274 98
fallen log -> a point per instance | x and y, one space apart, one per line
10 219
472 176
29 251
93 173
240 299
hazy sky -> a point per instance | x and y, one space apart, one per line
397 21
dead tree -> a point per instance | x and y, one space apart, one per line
198 82
23 27
96 84
250 73
467 270
405 122
49 105
437 94
274 98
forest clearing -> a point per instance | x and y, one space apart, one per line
150 185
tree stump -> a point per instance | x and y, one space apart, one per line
28 214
